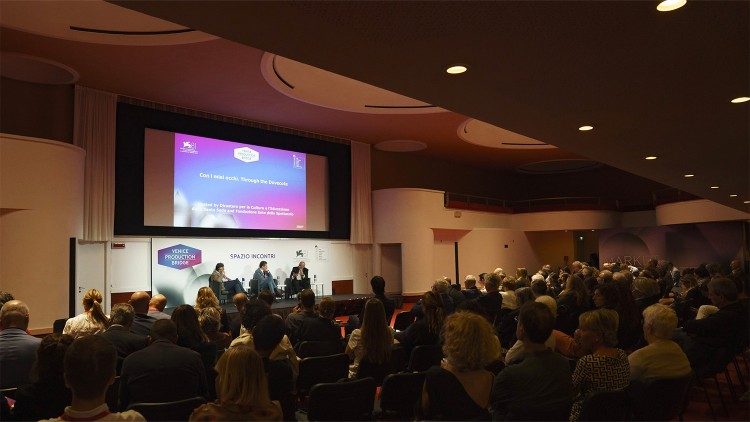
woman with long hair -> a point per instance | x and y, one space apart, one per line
572 302
92 320
425 330
190 335
210 320
206 298
373 340
242 390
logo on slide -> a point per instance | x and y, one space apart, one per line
179 256
246 154
189 147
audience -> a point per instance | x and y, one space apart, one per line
142 321
89 369
305 310
161 372
603 367
321 327
47 396
372 342
118 333
571 303
206 298
491 302
5 297
459 389
510 301
540 386
425 330
268 334
92 320
235 324
377 284
17 347
470 290
156 307
255 310
210 320
662 358
242 390
509 319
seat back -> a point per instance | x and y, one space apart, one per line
425 356
607 406
403 320
170 411
219 291
113 394
10 392
58 325
308 349
325 369
659 399
400 393
378 371
346 400
254 289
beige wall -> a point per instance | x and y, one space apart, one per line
41 198
551 246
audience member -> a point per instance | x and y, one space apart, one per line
373 341
571 303
206 298
425 330
89 370
142 322
266 296
453 292
47 396
662 358
540 386
210 320
603 367
190 335
509 319
481 282
522 278
92 320
268 334
242 390
492 301
305 310
161 372
564 344
539 286
616 297
5 297
156 307
255 310
118 333
459 389
470 290
646 292
510 301
377 284
17 347
321 327
235 323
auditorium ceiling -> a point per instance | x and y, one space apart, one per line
650 83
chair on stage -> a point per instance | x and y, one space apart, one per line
218 288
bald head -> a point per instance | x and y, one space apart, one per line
158 302
14 314
139 301
240 300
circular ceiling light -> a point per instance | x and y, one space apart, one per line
585 128
651 157
670 5
746 202
689 175
740 100
400 145
456 69
714 187
734 195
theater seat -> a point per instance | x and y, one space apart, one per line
170 411
342 401
399 395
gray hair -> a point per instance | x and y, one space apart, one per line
14 314
662 320
122 314
646 287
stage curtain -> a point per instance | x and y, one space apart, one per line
94 131
361 227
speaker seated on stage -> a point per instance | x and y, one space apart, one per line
300 278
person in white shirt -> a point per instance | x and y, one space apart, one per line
662 358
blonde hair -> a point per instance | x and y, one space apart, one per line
242 380
469 342
206 299
92 302
550 302
662 320
209 320
605 321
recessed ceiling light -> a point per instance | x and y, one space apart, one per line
714 187
689 175
651 157
670 5
746 202
585 128
740 100
734 195
456 69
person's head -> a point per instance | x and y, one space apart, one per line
268 333
301 264
189 330
523 295
619 277
539 286
714 270
92 303
307 299
378 285
206 298
471 306
255 310
209 320
434 311
163 329
327 308
440 286
659 322
509 284
122 314
266 296
492 283
89 367
687 282
263 265
219 267
550 302
470 282
14 314
702 272
722 291
5 297
158 302
139 301
50 356
482 278
522 273
645 287
605 276
597 329
376 334
241 379
240 300
469 341
606 296
535 323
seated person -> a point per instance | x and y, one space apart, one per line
300 278
231 285
373 341
662 358
425 330
264 280
268 334
305 310
322 327
470 290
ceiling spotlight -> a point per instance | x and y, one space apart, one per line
740 100
734 195
670 5
585 128
456 69
651 157
746 202
689 175
714 187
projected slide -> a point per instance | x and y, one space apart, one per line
226 184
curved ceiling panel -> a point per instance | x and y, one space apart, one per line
400 145
24 67
558 166
480 133
323 88
94 22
